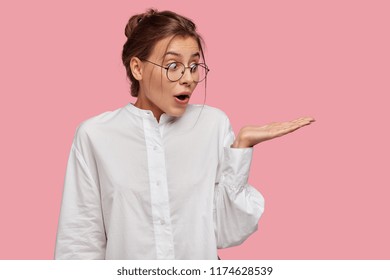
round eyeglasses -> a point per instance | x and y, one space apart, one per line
176 70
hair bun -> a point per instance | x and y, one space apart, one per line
136 19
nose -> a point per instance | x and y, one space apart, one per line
187 77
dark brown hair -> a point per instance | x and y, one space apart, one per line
143 31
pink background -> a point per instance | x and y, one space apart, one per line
327 186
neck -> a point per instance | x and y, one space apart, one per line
144 105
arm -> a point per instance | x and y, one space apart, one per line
237 205
81 233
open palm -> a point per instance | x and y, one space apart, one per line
249 136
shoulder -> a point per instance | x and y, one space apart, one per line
98 122
213 122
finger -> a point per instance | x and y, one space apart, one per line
282 128
296 125
310 119
286 128
303 121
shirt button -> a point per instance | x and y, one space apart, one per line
158 183
155 148
162 222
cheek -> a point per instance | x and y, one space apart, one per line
153 80
156 80
167 86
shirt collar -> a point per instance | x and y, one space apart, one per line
149 114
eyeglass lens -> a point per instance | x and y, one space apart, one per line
176 70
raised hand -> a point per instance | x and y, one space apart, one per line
249 136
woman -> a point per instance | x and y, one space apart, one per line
161 179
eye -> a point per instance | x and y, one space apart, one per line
194 67
172 66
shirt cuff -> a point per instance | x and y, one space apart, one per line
235 168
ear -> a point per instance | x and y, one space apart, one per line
136 68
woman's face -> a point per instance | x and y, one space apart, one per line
159 94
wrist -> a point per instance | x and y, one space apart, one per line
240 143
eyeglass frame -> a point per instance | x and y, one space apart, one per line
185 68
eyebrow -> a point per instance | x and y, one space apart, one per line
179 55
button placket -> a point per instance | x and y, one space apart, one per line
159 190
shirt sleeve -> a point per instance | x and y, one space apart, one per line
81 233
237 205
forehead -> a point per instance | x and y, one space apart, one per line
184 46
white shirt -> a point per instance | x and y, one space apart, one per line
138 189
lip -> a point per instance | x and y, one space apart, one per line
185 101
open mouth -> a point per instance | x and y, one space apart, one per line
182 97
